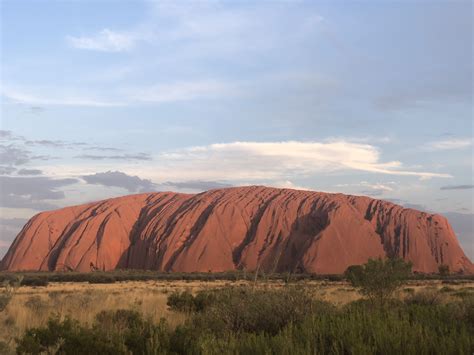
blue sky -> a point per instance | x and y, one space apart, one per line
105 98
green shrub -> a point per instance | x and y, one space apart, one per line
186 302
244 309
119 332
66 337
181 302
358 328
242 320
135 332
378 279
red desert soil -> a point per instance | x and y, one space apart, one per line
234 228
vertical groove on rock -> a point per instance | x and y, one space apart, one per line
250 236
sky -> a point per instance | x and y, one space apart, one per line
108 98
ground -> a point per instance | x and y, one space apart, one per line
32 305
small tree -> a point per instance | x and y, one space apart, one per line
379 278
443 269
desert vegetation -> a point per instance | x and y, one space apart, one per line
240 314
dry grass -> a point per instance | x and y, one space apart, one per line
32 306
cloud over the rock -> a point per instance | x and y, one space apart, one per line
120 179
197 185
277 160
137 156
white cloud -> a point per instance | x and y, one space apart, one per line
278 161
59 100
104 41
370 189
287 184
269 163
373 186
449 144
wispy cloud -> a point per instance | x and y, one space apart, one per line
24 97
29 172
449 144
457 187
277 161
104 41
138 156
127 96
195 185
370 189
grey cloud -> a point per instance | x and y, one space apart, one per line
457 187
43 157
119 179
138 156
26 172
9 229
12 155
7 170
55 143
13 222
46 143
4 134
31 192
104 149
197 185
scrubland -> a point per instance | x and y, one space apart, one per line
242 316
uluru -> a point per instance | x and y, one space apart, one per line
242 228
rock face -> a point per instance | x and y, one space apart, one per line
235 228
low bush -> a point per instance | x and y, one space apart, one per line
66 337
186 302
101 279
244 309
35 281
240 320
119 332
41 277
